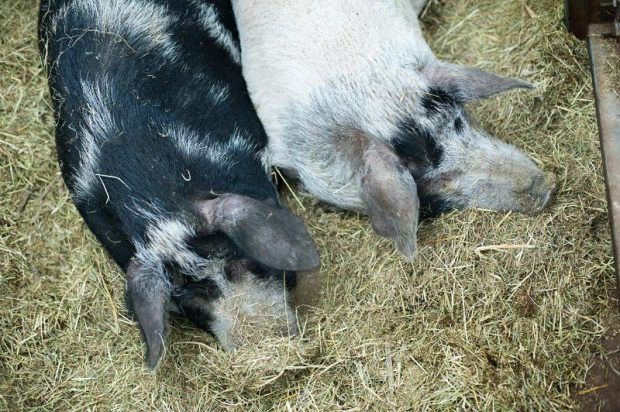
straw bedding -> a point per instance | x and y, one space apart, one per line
499 311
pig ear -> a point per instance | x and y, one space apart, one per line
263 231
469 83
391 197
147 294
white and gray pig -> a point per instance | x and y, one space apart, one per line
160 147
356 105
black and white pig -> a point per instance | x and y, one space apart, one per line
357 107
160 147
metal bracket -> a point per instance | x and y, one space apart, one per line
610 12
580 14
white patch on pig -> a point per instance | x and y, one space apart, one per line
144 26
219 92
193 145
239 143
98 126
251 308
166 240
210 20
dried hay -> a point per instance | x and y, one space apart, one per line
498 311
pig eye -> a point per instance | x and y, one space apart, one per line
458 124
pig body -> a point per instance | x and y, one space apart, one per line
357 107
160 147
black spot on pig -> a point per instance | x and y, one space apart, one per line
433 205
417 147
458 125
194 298
438 100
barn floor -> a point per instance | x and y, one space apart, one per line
498 311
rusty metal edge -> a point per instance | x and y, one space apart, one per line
608 117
